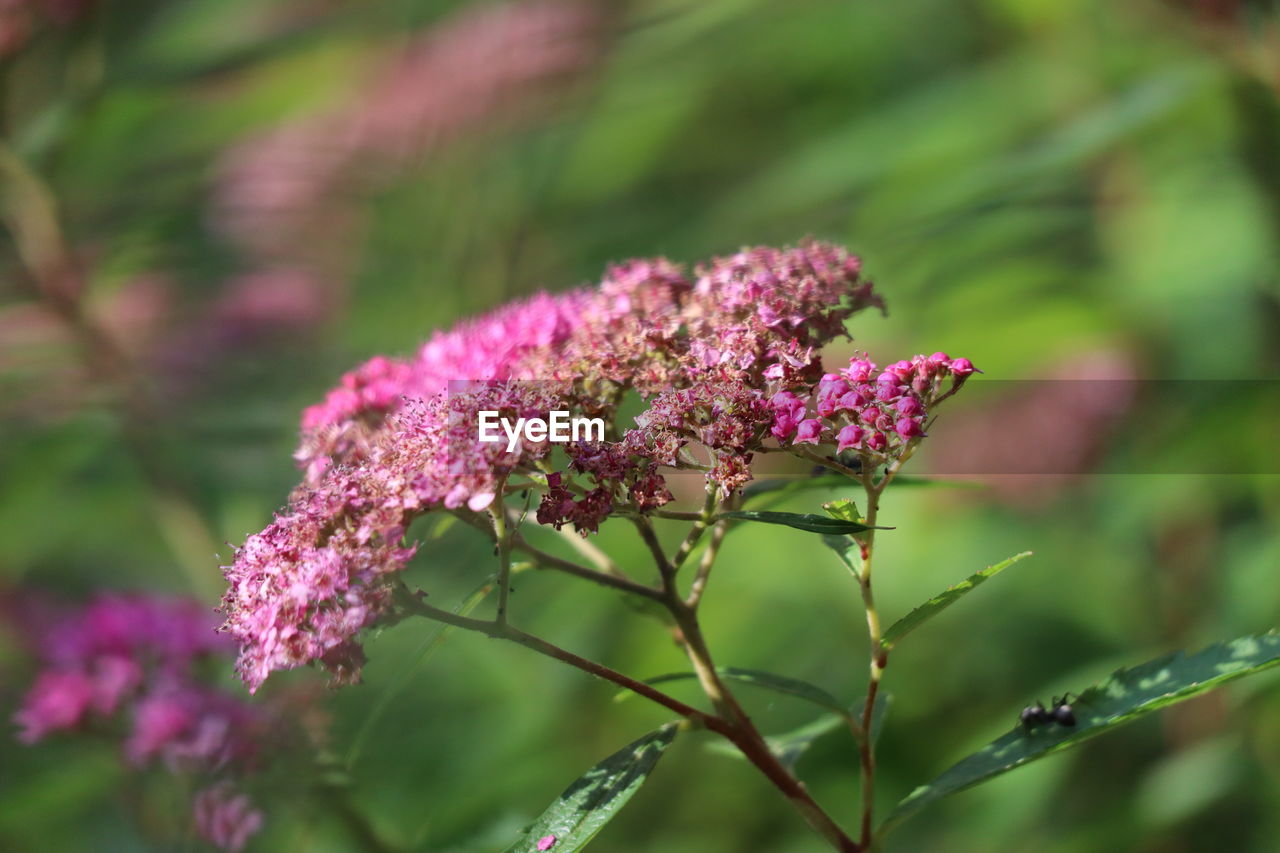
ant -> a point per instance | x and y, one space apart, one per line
1059 712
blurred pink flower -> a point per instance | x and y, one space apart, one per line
136 655
225 817
1035 440
281 192
266 302
58 700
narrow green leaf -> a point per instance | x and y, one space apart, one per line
843 546
943 600
595 797
811 523
757 678
934 483
789 485
782 486
1126 695
790 746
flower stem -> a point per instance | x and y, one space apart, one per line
699 585
544 560
498 510
742 733
699 527
503 631
879 657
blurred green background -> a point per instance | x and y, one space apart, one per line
1031 184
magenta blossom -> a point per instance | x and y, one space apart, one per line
135 657
226 818
877 415
713 357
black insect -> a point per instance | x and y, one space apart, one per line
1059 712
1035 715
1062 713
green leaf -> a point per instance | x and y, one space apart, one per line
757 678
443 526
844 509
599 794
1126 695
782 486
943 600
811 523
789 485
791 746
843 545
934 483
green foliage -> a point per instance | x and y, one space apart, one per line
597 796
766 680
783 487
790 746
943 600
1127 695
810 523
378 707
1027 182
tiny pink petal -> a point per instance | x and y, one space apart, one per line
808 432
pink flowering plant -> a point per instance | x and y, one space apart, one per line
129 667
727 364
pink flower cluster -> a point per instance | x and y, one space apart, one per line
398 438
136 656
872 414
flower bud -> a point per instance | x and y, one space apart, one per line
909 406
808 432
849 438
908 428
